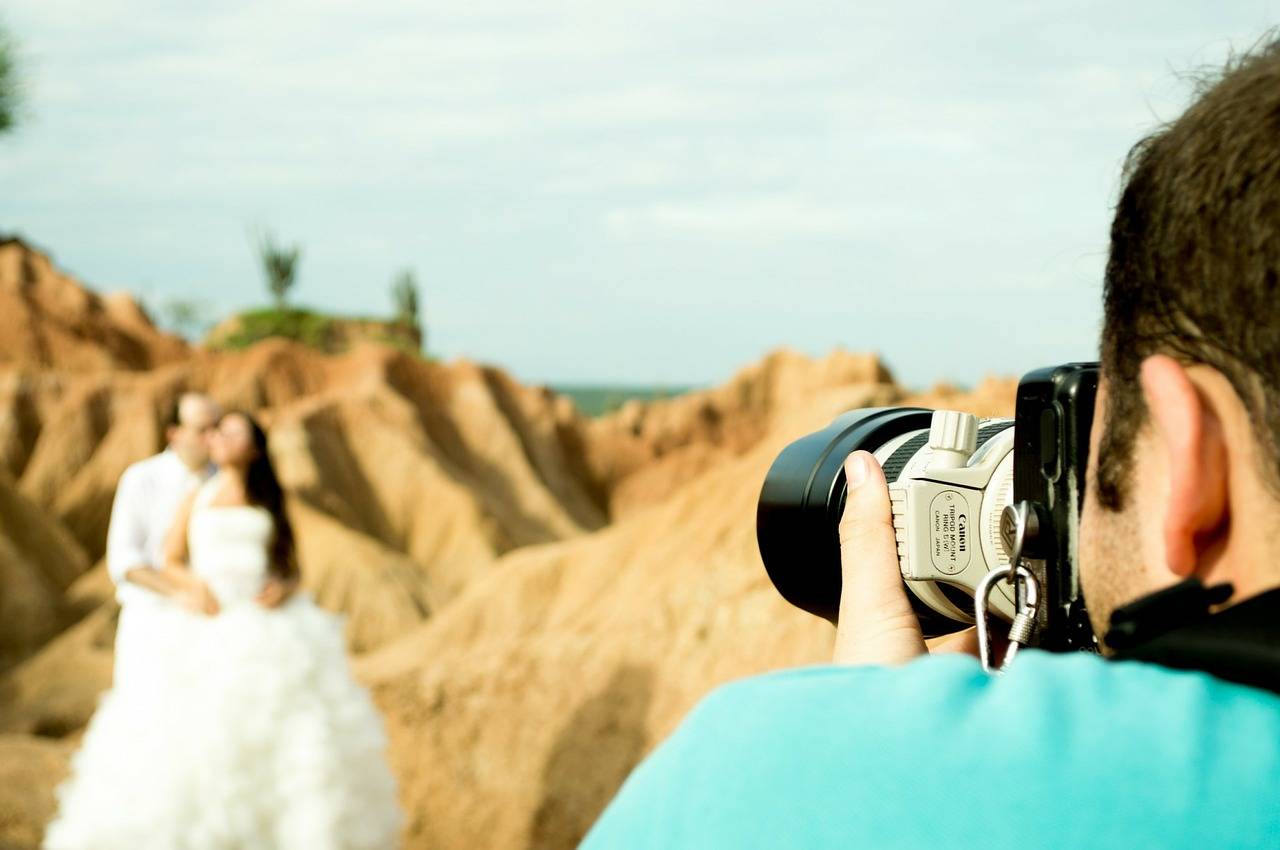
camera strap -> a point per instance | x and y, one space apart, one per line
1019 529
1186 627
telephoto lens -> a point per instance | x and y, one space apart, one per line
950 476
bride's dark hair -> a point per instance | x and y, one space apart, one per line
262 488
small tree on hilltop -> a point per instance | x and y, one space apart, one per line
9 84
404 294
279 266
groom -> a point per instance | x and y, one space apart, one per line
147 499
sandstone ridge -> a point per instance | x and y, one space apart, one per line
48 319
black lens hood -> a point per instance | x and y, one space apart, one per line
797 521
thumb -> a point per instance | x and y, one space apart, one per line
877 624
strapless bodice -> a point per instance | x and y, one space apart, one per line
229 548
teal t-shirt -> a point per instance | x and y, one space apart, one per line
1064 751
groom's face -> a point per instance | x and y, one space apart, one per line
197 418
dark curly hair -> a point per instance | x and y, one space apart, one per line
1194 267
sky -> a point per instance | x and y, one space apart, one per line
600 191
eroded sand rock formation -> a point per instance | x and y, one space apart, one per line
645 451
595 648
535 598
47 318
38 562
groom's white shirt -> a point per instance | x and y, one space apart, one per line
146 504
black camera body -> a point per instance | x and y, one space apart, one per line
951 476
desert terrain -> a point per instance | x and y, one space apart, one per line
535 598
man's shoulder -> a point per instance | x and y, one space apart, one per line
903 757
1050 718
1075 696
147 468
1070 677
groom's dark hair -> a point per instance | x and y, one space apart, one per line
173 416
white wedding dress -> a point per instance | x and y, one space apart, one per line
248 733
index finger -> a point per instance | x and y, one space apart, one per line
877 624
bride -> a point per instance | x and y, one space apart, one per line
249 732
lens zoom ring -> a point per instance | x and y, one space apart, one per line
986 432
898 460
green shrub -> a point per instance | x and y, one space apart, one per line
304 326
330 334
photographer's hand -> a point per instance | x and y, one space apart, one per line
877 625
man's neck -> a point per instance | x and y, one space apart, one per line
198 469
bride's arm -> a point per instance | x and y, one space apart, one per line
175 541
184 585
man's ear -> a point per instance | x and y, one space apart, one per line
1189 435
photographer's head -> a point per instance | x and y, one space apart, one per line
1185 469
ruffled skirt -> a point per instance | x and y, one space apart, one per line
244 731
